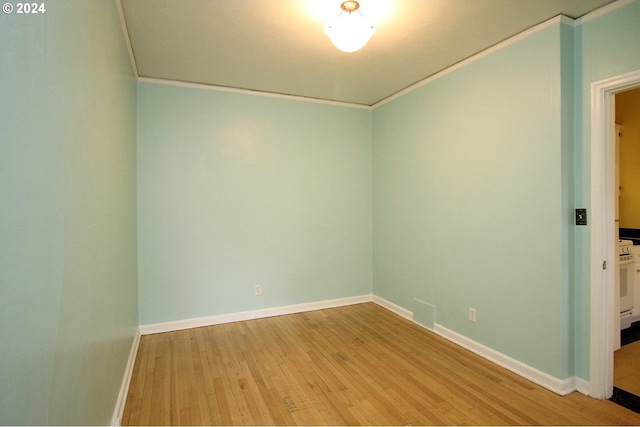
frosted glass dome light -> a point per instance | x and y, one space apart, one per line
349 31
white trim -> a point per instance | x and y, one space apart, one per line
180 83
127 40
603 11
501 45
400 311
582 386
116 420
602 324
561 387
177 325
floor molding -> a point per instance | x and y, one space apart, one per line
400 311
126 381
198 322
558 386
582 386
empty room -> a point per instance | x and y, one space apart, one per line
217 212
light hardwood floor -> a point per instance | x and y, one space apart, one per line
355 365
626 372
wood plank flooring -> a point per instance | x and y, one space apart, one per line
355 365
626 371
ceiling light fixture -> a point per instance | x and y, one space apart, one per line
349 31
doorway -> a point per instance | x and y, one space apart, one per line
626 375
603 324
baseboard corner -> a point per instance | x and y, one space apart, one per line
118 412
582 386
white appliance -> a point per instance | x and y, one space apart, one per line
626 282
636 288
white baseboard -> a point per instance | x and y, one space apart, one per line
582 386
198 322
561 387
400 311
126 381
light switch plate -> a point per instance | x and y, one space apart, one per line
581 216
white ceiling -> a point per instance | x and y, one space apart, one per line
279 46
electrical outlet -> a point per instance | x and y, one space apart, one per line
257 290
472 314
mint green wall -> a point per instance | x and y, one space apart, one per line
472 199
237 189
606 46
68 300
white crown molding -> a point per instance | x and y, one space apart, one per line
127 40
118 412
198 322
180 83
603 11
558 19
561 19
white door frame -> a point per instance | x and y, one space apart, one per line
603 239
